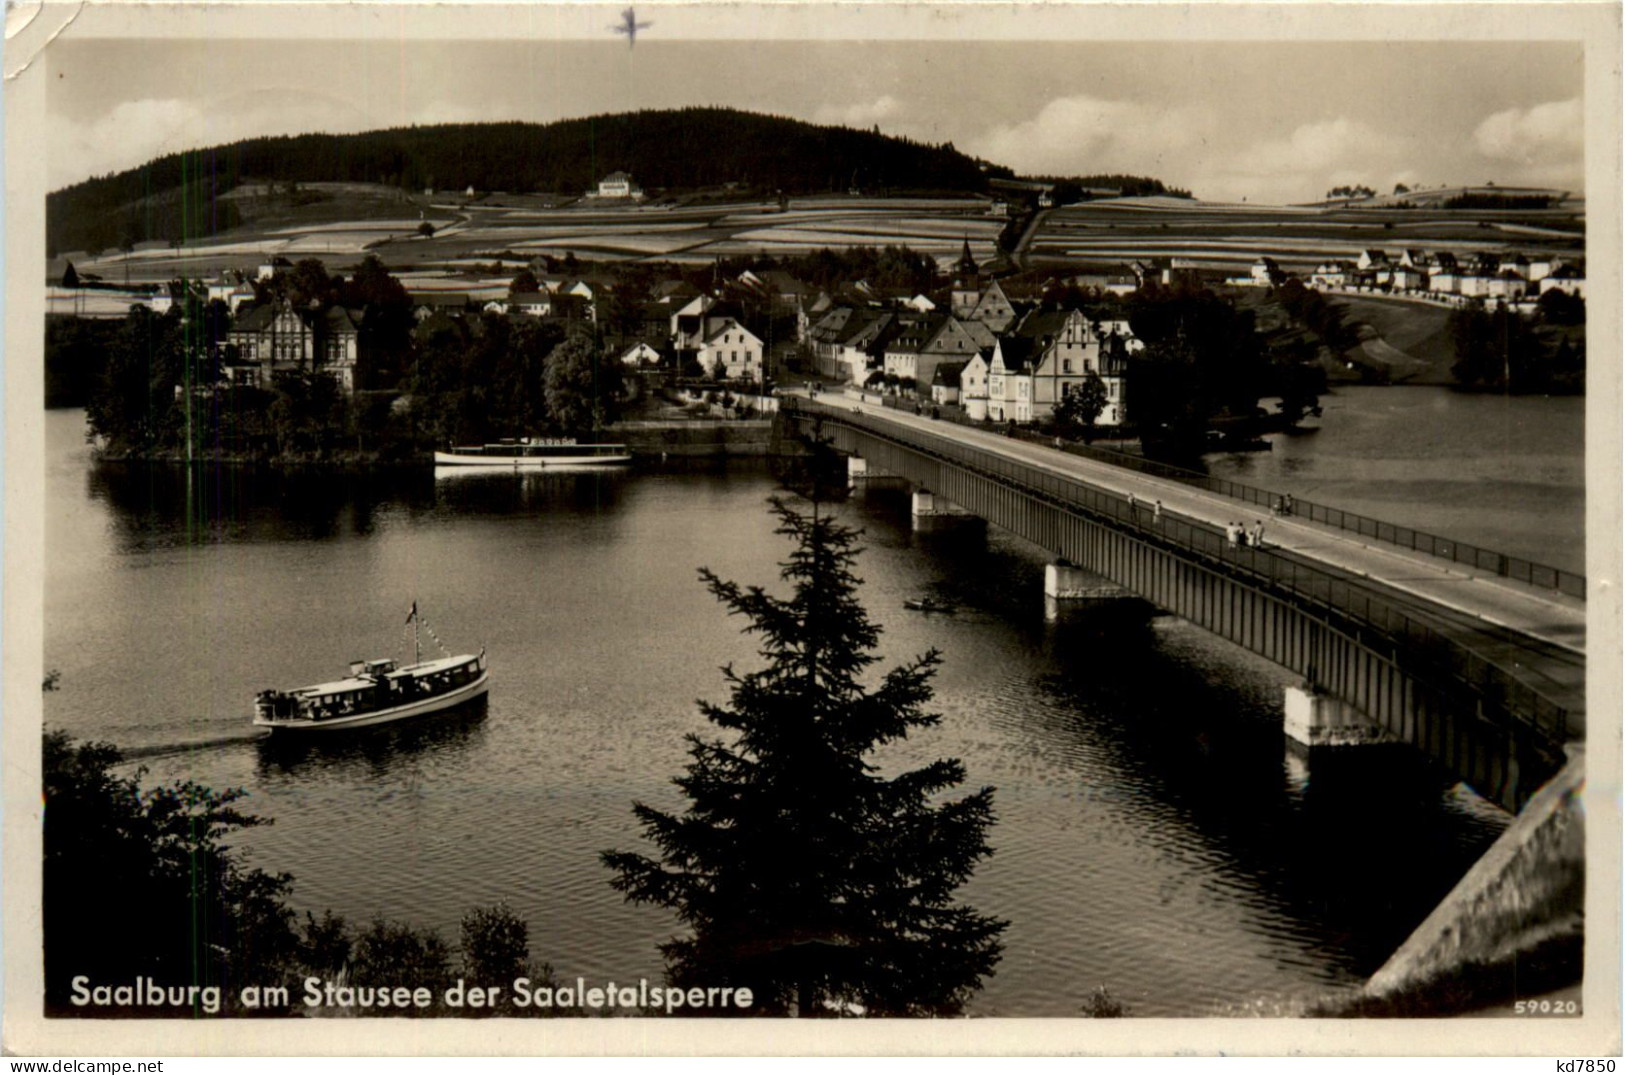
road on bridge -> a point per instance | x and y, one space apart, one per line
1521 628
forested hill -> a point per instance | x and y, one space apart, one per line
177 196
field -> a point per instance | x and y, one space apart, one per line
1231 237
341 223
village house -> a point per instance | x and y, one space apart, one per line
640 354
1010 381
955 340
993 308
688 323
270 268
1120 283
227 284
1066 349
1331 274
531 303
426 304
275 338
1266 273
618 185
902 356
1569 279
848 339
973 385
1405 278
1508 284
732 351
1543 265
945 382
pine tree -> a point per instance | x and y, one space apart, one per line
802 872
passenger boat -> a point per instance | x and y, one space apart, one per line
375 692
531 452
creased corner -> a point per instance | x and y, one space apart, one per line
24 27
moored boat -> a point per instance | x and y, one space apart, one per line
375 692
531 452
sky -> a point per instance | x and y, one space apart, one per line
1274 122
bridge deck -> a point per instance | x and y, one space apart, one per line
1535 634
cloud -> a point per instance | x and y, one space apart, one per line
1084 134
862 114
1539 135
1195 146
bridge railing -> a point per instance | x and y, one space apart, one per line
1337 598
1515 568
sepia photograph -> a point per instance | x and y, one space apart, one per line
1078 514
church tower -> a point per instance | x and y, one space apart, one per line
967 290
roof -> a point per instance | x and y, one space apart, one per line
782 282
728 325
948 373
617 177
914 334
1017 352
869 325
340 319
979 334
254 319
673 288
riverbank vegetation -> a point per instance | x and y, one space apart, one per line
157 385
1502 350
165 860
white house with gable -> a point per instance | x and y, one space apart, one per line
733 348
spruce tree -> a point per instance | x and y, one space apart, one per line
801 871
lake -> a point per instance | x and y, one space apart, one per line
1154 833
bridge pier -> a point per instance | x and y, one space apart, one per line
1066 581
933 512
860 475
1066 585
1313 720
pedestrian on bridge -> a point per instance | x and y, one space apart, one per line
1156 512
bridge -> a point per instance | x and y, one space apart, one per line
1474 658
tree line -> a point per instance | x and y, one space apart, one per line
1502 350
154 385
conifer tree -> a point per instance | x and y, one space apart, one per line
801 871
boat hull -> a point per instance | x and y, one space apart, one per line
416 708
521 462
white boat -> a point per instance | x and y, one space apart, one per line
376 692
533 452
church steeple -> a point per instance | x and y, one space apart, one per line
966 269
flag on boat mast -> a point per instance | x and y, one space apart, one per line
410 616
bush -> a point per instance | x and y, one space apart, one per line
1102 1005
